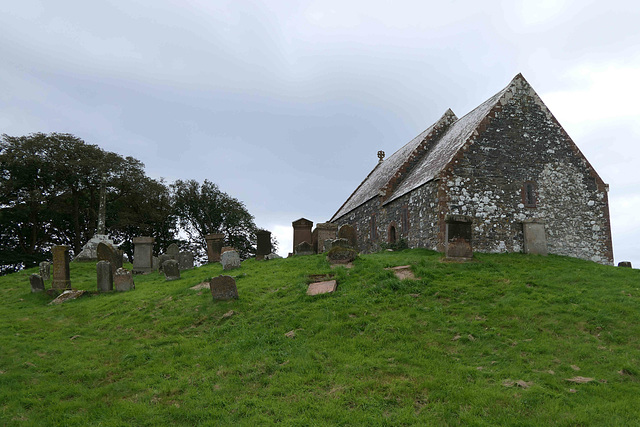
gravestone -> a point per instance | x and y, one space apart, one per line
337 243
61 278
185 260
323 232
319 288
458 236
535 237
104 274
625 264
215 242
223 288
171 269
142 254
155 263
123 280
230 260
348 232
227 248
301 232
341 255
272 255
172 251
37 284
264 244
109 253
162 259
45 270
304 248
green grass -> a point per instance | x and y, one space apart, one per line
379 351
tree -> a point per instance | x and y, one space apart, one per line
49 191
204 209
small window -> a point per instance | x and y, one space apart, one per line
529 197
405 220
374 230
392 233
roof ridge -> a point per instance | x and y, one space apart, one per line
428 142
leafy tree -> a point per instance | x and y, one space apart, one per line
49 194
204 209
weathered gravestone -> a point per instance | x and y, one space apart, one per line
341 255
45 270
230 260
323 232
348 232
172 250
223 288
337 243
37 284
215 242
162 259
142 254
104 274
458 237
61 277
171 269
264 244
535 237
301 232
106 252
123 280
304 248
185 260
625 264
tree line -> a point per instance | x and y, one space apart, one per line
49 195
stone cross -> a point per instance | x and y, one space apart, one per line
102 209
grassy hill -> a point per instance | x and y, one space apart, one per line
490 342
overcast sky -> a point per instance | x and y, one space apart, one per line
284 104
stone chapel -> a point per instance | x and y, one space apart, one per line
506 176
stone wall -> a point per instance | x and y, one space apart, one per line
524 143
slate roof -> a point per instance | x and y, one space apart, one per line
434 161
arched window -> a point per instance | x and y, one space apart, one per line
392 234
529 194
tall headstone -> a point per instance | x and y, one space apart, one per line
45 270
535 237
61 276
107 252
185 260
264 244
230 260
301 232
104 275
215 242
123 280
458 236
37 284
323 231
223 288
171 269
142 254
